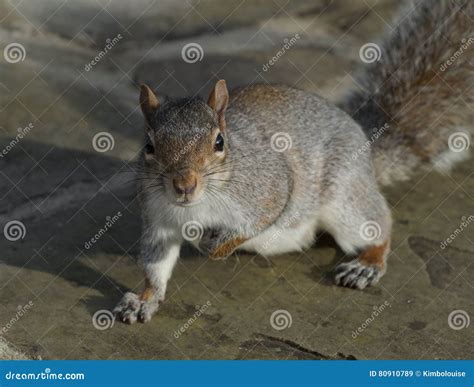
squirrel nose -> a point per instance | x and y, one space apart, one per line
185 185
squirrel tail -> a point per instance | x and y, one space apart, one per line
416 97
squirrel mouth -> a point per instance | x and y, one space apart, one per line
186 203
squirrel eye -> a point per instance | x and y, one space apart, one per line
149 149
219 144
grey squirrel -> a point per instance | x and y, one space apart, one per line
263 168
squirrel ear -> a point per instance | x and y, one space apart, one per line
218 101
148 101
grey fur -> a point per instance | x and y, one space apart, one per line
413 90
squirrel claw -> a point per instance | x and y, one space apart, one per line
355 274
127 309
131 309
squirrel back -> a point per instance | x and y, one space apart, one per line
416 102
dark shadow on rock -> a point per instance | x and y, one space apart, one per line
443 265
324 274
64 197
417 325
269 347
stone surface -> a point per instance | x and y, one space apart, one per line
62 190
7 352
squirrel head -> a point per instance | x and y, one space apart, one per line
186 144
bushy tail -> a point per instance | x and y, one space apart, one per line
416 102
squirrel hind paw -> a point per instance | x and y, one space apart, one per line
355 274
132 309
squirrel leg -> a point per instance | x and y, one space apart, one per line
360 226
158 262
370 236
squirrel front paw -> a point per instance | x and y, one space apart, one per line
131 308
355 274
